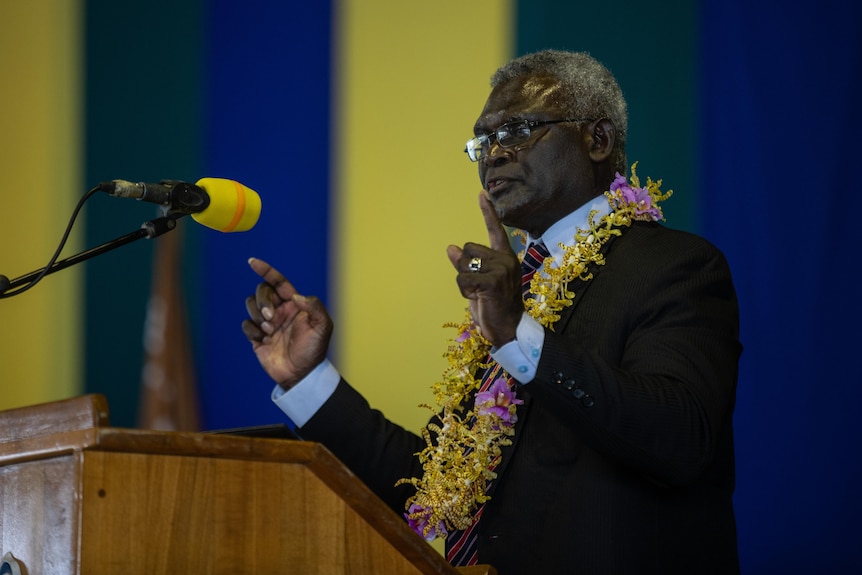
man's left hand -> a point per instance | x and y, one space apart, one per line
494 289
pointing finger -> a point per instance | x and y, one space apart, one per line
273 277
497 235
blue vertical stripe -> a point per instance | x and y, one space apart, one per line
267 101
781 127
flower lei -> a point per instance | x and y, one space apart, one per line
462 449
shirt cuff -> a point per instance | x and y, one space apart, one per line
520 358
306 397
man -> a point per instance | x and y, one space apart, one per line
621 453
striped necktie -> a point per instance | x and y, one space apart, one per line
533 258
462 547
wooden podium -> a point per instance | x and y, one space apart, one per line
80 497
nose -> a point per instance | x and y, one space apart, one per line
498 155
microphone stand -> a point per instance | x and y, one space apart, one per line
149 230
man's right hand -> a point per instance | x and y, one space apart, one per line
289 332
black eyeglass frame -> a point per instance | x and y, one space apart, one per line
477 144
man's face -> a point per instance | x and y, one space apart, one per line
534 184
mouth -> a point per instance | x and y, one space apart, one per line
496 185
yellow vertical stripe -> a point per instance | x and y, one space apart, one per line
411 80
40 67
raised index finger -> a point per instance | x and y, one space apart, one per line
273 277
497 236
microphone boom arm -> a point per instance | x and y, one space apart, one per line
149 230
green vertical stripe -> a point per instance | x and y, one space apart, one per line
651 48
144 118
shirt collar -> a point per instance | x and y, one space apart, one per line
563 231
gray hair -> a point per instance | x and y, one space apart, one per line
589 90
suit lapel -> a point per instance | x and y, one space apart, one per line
580 290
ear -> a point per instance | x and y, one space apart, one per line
603 135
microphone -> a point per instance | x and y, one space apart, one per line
223 205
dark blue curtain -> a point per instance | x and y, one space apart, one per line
781 145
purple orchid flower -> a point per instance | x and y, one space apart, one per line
496 400
420 523
638 196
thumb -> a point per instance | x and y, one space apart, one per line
454 253
310 305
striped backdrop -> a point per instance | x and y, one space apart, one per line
349 117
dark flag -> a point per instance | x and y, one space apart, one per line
169 399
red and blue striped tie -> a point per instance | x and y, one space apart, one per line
462 547
533 258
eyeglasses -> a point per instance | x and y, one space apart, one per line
508 135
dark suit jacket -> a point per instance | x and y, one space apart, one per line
622 461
